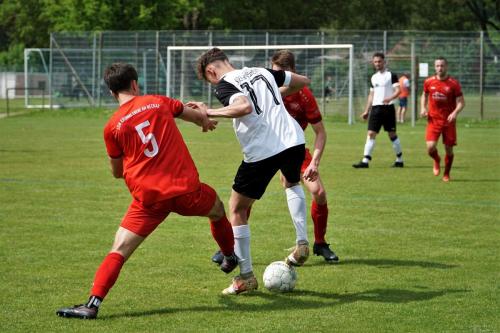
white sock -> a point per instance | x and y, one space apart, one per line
242 247
369 146
396 145
297 207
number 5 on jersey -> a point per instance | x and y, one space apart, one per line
149 138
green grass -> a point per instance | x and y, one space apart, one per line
417 254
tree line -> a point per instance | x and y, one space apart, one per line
28 23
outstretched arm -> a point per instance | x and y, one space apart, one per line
197 114
240 107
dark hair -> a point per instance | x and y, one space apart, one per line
443 59
207 58
285 59
119 77
378 55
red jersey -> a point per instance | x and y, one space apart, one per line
302 107
442 97
156 162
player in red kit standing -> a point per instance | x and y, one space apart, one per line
146 148
441 102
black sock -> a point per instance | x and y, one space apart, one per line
94 302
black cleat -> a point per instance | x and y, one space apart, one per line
218 257
325 251
398 165
78 311
229 263
360 165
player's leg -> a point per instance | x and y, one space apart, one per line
246 281
137 224
291 161
250 183
124 245
319 215
389 122
374 125
432 134
449 140
402 114
205 202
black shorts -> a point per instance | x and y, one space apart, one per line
252 178
382 115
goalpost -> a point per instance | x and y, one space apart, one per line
316 61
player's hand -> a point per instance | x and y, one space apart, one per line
209 125
424 113
311 173
452 117
387 100
364 115
197 105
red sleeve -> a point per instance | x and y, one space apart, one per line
173 106
426 86
309 104
458 89
112 146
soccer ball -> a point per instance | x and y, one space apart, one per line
279 276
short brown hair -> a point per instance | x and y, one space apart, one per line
207 58
119 77
442 59
285 59
378 55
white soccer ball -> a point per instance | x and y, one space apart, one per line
279 276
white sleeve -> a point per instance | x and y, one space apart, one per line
288 78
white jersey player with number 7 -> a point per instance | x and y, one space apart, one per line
270 139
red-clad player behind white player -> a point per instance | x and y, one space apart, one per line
441 102
146 148
303 108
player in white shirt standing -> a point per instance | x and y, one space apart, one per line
270 139
380 111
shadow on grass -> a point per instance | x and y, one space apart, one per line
455 180
388 263
299 299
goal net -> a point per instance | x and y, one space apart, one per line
329 66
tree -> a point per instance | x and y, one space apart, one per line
487 13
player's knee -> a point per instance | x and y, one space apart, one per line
319 196
217 212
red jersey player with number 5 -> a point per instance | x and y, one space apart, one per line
146 148
441 102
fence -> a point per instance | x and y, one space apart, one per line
76 61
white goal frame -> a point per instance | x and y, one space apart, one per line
350 47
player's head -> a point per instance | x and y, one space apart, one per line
121 77
378 61
209 64
283 60
441 66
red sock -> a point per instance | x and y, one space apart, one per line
435 155
106 275
223 235
448 161
319 214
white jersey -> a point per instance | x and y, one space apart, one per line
269 129
382 84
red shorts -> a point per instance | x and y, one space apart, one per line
449 131
307 161
143 220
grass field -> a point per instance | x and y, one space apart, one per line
417 254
